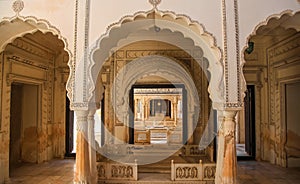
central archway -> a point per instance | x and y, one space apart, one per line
152 23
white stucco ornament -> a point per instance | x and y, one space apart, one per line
155 3
18 6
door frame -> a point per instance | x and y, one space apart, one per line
184 108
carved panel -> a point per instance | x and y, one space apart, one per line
101 169
193 171
116 171
209 171
186 173
121 171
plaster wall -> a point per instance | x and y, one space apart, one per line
60 13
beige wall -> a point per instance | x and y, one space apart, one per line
104 13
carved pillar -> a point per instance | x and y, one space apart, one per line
82 170
92 145
175 104
226 161
146 111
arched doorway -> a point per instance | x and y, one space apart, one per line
34 72
201 65
272 73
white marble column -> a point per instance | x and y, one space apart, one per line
226 154
92 145
82 168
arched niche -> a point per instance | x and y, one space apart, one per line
152 22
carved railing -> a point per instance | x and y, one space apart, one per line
193 171
117 171
209 171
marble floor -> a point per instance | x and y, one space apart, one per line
61 172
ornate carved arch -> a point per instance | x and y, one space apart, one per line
288 16
30 25
158 20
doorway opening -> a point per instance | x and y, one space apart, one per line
246 148
158 114
69 130
24 118
292 117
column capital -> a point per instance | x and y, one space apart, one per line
81 114
229 114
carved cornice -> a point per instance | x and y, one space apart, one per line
19 78
284 47
158 91
28 62
27 46
133 54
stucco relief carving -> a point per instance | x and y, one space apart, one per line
18 6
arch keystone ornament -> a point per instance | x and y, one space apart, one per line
155 3
18 6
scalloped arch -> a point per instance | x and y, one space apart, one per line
193 30
25 25
271 19
29 25
276 17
